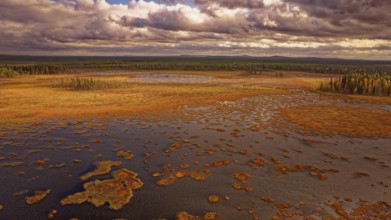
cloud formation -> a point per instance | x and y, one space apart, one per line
333 28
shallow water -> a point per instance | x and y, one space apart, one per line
209 135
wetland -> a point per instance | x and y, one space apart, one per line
180 144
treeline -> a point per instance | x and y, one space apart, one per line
377 84
251 66
89 83
6 72
247 67
39 69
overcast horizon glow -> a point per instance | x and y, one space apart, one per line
296 28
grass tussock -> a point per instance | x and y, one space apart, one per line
359 84
89 83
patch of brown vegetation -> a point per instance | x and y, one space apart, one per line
52 213
257 162
241 176
11 164
348 121
358 98
248 189
213 199
60 165
117 192
210 215
102 167
185 216
184 165
196 175
38 196
220 163
313 171
175 146
124 154
237 186
365 210
268 199
167 181
275 160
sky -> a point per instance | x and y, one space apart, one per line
359 29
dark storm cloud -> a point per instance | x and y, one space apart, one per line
355 28
232 4
366 18
162 19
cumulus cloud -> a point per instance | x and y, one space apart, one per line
347 28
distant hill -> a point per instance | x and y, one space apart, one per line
14 59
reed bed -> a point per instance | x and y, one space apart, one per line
359 84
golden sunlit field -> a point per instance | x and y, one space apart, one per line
30 98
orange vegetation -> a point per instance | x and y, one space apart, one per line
221 163
314 171
196 175
185 216
11 164
102 167
31 98
365 210
38 196
173 147
210 215
348 121
117 192
124 154
258 162
213 199
241 176
358 98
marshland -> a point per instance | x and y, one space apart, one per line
194 138
195 109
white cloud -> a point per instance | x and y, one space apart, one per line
246 26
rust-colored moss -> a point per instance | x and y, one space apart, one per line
102 167
117 192
348 121
38 196
185 216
